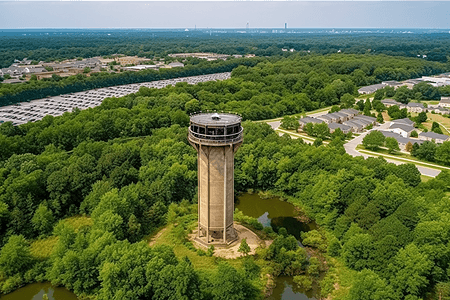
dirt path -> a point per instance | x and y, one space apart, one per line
153 239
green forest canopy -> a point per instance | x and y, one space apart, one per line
74 44
125 162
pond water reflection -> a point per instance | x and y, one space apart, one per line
277 213
35 291
273 212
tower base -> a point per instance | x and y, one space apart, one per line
216 236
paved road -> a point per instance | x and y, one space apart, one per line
350 147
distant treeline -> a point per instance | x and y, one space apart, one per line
311 79
149 44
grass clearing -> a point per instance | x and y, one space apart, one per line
425 178
207 265
346 277
77 222
428 102
443 121
385 116
42 249
298 114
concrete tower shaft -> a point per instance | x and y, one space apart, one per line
216 137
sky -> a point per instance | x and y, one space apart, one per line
224 14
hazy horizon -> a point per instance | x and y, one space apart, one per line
224 15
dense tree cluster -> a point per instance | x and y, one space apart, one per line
386 223
126 164
52 45
420 91
430 151
301 82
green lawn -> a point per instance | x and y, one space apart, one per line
299 114
444 122
401 157
425 178
202 263
299 135
429 102
42 248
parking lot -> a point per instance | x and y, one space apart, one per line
37 109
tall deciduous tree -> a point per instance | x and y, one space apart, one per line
392 144
15 256
373 140
244 248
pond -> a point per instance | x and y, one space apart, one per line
273 212
277 213
35 291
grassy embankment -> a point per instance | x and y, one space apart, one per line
297 115
403 157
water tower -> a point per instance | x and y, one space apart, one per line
216 137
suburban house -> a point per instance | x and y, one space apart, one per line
401 129
355 125
340 116
367 119
430 136
327 118
410 83
440 110
344 128
306 120
402 141
371 88
390 102
415 107
392 83
445 102
406 121
350 112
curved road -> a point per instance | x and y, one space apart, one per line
350 147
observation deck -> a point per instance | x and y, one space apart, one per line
215 129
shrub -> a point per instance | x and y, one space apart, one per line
303 282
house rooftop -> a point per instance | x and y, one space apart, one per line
403 127
445 100
413 104
367 118
403 121
306 120
435 136
337 125
371 88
